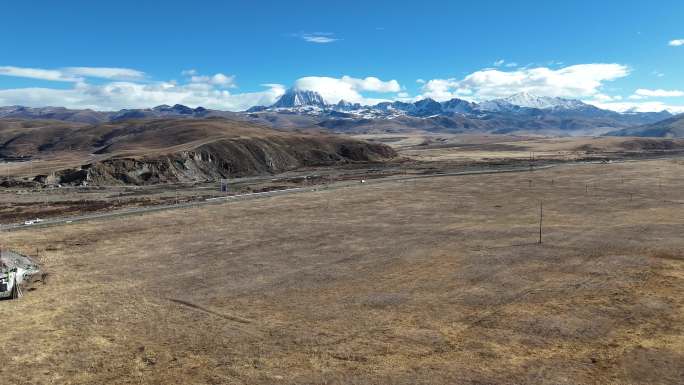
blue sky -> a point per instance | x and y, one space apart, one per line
231 54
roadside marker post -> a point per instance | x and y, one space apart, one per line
224 186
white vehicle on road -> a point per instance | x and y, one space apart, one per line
33 221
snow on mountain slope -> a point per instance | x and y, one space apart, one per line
528 100
305 108
299 98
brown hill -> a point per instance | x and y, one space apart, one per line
171 150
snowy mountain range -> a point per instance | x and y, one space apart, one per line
522 113
304 101
519 113
528 100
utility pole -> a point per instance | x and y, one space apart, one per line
541 218
531 161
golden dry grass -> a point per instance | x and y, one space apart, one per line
437 281
431 147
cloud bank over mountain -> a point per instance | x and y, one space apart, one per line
577 81
112 88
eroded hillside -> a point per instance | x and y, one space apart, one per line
177 150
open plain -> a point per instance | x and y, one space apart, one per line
427 281
342 193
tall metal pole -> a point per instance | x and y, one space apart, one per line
541 219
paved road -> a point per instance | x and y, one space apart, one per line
233 198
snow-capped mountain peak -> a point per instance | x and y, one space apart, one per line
299 98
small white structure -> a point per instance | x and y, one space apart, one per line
15 270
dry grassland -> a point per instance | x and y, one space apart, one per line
437 281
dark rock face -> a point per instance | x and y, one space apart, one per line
459 106
427 107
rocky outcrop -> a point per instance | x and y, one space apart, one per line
227 158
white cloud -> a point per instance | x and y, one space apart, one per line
372 84
603 98
646 93
219 79
577 81
335 89
210 91
651 106
318 37
222 80
38 73
551 63
73 74
105 72
503 63
445 89
118 95
676 43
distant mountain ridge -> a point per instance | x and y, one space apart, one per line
669 128
93 117
521 103
522 113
